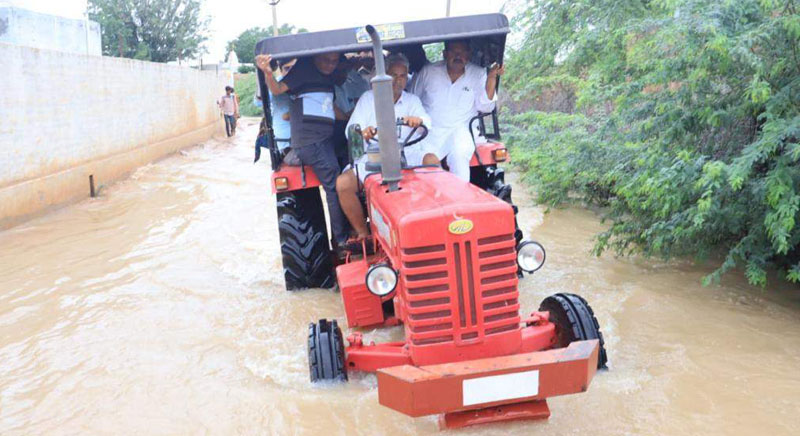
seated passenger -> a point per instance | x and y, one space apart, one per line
453 91
349 86
364 64
312 114
406 106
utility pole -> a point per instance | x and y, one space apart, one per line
86 27
448 8
274 3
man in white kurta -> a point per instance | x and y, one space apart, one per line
406 106
453 91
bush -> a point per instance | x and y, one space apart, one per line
685 124
246 69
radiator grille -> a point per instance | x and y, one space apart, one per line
430 318
484 298
497 257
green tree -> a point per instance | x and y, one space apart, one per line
684 124
153 30
245 44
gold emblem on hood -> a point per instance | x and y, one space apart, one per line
459 227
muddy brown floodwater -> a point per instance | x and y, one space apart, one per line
159 308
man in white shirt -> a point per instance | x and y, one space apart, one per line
453 91
406 106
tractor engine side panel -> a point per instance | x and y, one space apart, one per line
362 308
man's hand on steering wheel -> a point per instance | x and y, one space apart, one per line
369 133
412 121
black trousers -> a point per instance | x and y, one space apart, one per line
321 157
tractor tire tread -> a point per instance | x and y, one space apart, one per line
575 320
326 352
306 256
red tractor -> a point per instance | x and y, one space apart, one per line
444 261
308 258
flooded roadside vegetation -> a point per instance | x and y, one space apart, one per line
683 136
159 308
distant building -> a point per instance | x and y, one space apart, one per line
33 29
222 67
233 60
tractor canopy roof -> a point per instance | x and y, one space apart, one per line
489 29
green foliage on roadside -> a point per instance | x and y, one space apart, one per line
151 30
680 117
245 44
245 86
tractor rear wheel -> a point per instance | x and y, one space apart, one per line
575 321
303 234
326 351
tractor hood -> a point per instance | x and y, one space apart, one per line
454 249
434 207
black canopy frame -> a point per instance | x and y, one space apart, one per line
486 33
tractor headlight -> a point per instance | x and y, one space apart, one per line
530 256
381 279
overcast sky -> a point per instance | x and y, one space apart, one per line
231 17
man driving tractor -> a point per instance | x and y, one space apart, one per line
453 91
408 107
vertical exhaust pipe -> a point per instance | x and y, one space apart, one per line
384 112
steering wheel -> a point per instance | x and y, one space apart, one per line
407 142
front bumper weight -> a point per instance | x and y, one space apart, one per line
482 383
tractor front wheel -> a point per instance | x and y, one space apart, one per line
575 321
303 234
326 351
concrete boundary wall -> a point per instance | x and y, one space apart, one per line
33 29
64 117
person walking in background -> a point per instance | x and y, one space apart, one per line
230 110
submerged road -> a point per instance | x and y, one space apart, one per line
159 308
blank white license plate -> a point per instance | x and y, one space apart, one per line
500 387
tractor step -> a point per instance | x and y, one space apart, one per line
528 410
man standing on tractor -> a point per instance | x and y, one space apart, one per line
453 91
406 106
312 115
